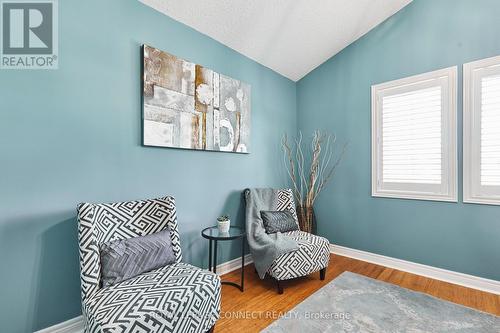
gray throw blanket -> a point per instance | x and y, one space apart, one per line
265 248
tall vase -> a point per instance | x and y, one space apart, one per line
307 218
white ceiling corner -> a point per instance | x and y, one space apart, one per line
292 37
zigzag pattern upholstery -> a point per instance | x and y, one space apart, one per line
284 202
313 253
175 298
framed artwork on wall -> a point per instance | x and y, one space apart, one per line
188 106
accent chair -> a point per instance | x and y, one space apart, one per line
312 255
175 298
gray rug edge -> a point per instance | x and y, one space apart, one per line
345 273
415 291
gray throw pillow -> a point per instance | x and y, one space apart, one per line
127 258
281 221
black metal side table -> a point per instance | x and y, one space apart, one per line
213 235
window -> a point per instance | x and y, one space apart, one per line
482 131
414 137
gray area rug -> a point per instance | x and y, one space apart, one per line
355 303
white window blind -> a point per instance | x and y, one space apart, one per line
490 131
414 137
482 131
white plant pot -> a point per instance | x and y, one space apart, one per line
224 226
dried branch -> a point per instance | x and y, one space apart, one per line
290 166
323 165
331 172
300 163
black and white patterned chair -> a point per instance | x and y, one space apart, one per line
175 298
312 255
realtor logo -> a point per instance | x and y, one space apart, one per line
29 34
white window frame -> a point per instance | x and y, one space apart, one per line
474 192
447 191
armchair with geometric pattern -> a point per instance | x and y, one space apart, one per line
174 298
313 252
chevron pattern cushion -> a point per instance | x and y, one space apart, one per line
126 258
175 298
313 255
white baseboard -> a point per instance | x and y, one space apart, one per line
75 325
461 279
232 265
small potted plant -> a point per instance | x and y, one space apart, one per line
223 223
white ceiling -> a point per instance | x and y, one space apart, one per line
292 37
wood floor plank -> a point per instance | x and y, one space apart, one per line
259 305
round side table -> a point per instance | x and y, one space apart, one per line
213 235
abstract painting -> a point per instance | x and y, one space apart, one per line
189 106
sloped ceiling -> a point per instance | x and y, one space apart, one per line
292 37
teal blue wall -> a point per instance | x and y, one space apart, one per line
74 134
424 36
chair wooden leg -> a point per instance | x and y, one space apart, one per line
211 330
280 287
322 273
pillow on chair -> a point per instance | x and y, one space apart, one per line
281 221
127 258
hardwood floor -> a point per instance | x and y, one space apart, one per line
260 304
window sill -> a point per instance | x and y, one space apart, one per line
415 196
